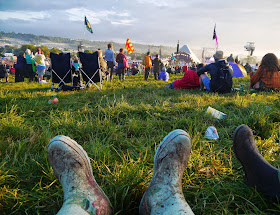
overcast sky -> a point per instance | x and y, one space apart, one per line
157 22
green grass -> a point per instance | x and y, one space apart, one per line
120 127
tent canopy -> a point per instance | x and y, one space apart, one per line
238 70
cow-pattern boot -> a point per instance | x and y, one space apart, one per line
164 194
258 172
71 165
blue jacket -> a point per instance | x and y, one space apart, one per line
163 76
109 55
213 68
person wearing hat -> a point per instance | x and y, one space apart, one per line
216 84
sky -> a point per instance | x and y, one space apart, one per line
154 22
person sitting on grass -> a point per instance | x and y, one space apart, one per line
164 195
190 80
163 75
220 72
3 72
83 196
267 75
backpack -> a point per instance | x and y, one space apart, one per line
222 83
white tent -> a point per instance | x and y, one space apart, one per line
187 50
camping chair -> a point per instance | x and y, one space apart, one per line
61 72
91 72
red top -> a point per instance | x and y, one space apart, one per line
190 80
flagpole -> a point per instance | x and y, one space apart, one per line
84 29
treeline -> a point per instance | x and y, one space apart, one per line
72 43
17 50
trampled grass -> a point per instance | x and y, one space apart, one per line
120 127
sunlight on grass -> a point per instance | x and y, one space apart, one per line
120 127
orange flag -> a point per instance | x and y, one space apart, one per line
129 46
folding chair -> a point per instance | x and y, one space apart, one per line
61 69
91 72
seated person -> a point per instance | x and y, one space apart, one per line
163 75
190 79
220 72
83 196
267 75
3 72
134 70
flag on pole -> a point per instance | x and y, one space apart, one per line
129 46
88 25
215 37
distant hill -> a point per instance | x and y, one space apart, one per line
18 39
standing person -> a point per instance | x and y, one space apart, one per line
3 72
220 72
19 72
148 64
110 58
29 64
121 67
103 65
41 65
267 75
157 65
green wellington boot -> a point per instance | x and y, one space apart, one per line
71 165
164 194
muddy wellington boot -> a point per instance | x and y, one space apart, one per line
71 165
258 172
164 194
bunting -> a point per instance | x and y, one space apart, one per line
129 46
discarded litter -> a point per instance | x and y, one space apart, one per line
211 133
53 101
215 113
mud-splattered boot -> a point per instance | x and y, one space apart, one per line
258 172
164 194
71 165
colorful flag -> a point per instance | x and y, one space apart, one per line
129 46
215 37
88 25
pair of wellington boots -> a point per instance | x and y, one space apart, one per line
83 196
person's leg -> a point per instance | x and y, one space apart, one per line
147 70
7 77
258 172
164 194
204 80
110 67
71 165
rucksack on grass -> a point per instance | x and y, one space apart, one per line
223 81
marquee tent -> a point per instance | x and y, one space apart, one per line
187 50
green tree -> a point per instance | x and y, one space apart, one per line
46 50
28 46
88 51
55 50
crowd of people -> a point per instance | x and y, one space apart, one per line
215 77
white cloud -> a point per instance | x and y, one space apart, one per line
159 3
23 15
116 18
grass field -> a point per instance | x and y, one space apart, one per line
120 127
